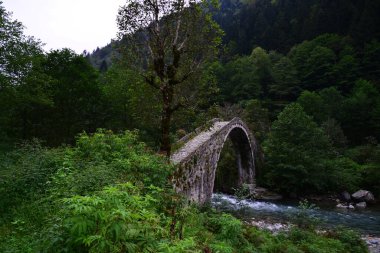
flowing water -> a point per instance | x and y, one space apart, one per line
366 221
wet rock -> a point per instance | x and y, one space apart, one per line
341 206
363 195
361 205
350 206
373 243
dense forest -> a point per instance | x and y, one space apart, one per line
304 76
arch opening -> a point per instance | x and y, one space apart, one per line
235 165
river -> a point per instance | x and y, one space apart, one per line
365 221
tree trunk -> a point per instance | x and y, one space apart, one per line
165 132
167 94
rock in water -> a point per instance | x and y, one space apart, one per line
363 195
369 198
341 206
361 205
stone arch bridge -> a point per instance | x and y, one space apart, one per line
198 158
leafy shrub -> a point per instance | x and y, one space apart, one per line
371 178
304 218
349 238
104 159
309 241
345 174
25 173
369 157
116 219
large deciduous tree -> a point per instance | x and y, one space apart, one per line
168 41
295 153
22 85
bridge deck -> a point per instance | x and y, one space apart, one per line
196 142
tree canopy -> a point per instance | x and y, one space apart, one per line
169 42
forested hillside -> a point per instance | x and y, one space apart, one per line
280 24
303 75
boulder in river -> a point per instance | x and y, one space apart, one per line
363 195
350 206
361 205
341 206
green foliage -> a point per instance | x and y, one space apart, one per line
371 62
324 105
105 158
263 72
111 193
345 175
76 94
362 109
295 150
312 103
257 118
308 241
349 238
108 194
304 219
132 103
319 71
368 157
26 172
56 97
286 80
335 133
298 240
117 218
237 80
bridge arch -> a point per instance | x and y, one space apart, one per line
198 158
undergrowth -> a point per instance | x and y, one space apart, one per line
110 193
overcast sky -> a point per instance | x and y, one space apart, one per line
76 24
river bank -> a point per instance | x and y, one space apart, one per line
372 242
277 216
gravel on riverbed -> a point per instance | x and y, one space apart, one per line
273 227
373 243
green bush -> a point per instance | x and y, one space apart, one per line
25 174
350 239
117 219
304 218
345 175
104 159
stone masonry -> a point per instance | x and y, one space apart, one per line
198 158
